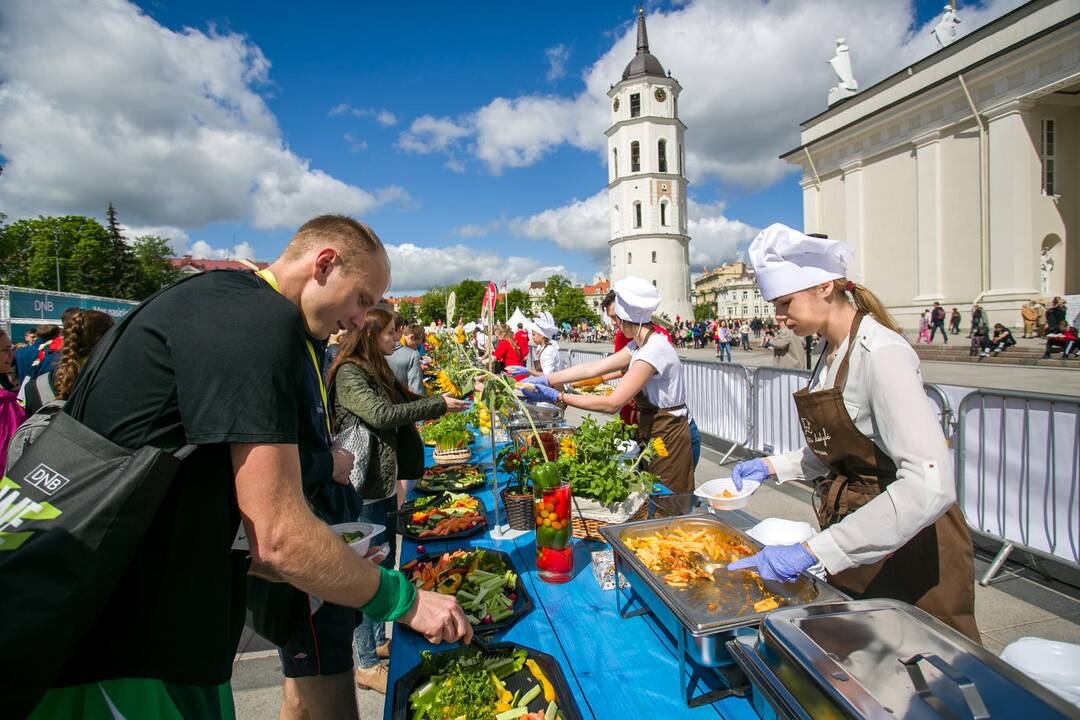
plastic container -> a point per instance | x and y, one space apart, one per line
712 492
363 544
1054 665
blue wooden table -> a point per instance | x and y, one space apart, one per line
617 669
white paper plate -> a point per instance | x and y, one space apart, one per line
370 530
713 493
1055 665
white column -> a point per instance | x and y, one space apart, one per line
1014 186
853 210
811 205
928 194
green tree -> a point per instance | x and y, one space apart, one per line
470 295
433 305
122 272
704 311
152 254
31 250
408 311
555 286
517 299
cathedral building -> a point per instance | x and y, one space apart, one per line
647 180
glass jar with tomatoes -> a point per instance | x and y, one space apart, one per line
551 498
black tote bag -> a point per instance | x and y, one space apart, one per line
73 510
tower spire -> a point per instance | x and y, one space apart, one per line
642 34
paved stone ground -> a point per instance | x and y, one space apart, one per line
1054 380
1020 604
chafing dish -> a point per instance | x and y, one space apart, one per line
699 631
544 415
881 659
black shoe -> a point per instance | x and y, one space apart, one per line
1045 357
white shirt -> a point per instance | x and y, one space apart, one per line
885 398
550 360
665 388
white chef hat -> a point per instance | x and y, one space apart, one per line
635 299
544 324
469 327
787 261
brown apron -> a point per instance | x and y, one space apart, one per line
676 471
935 569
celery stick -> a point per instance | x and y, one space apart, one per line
529 696
513 701
512 713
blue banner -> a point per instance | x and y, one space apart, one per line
46 306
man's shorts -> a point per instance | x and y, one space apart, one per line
325 648
137 698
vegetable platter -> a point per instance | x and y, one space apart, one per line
485 582
500 681
451 478
442 517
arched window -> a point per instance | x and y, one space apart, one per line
635 156
637 214
663 212
661 154
615 161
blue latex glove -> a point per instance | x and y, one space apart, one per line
778 562
516 369
544 391
755 470
536 380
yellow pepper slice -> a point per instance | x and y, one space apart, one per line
549 691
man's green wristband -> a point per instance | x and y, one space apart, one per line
394 598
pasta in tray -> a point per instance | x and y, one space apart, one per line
668 552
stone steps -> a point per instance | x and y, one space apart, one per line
1013 356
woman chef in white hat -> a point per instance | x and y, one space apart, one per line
652 376
542 333
885 497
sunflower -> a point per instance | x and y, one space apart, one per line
433 341
567 448
460 336
446 384
659 446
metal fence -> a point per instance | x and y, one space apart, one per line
774 420
1018 472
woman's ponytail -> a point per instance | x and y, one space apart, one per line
867 302
81 334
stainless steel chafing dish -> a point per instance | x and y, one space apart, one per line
881 659
544 415
701 632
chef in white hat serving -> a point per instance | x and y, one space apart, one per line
652 375
885 497
542 333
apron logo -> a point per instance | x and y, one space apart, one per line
812 436
45 479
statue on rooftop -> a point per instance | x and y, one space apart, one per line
841 65
945 31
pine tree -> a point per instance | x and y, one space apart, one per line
124 278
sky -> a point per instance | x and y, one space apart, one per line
470 136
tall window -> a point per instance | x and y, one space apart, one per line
629 257
615 161
654 256
635 156
654 283
1049 157
637 214
661 154
682 161
635 105
663 212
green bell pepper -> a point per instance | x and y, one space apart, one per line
546 475
553 538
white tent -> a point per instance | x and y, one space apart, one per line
517 317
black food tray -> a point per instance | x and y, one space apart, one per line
408 508
522 680
522 606
479 482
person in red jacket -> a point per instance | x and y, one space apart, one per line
1064 340
521 339
505 351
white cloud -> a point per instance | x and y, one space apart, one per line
355 144
471 231
383 117
584 225
751 71
200 249
428 134
417 268
100 103
557 58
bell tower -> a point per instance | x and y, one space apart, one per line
647 180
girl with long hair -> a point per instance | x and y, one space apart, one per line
364 388
82 332
885 494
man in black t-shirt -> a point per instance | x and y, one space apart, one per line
221 361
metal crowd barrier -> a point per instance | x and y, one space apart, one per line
1018 472
718 395
773 417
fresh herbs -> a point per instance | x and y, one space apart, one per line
450 432
593 463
